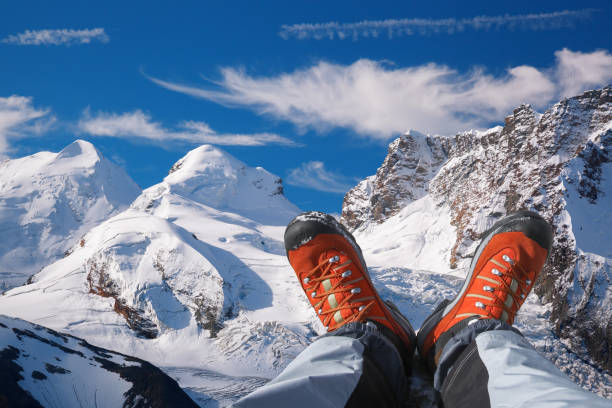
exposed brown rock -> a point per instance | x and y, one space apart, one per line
101 284
524 165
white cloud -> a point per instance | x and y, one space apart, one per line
138 124
426 26
19 119
57 37
379 101
314 175
577 71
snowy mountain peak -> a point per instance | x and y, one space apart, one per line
205 166
213 177
79 157
526 107
415 134
79 148
556 163
412 160
49 200
192 274
201 160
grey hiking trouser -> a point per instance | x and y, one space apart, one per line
487 364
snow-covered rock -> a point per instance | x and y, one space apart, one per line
49 200
214 178
557 163
192 277
43 368
412 161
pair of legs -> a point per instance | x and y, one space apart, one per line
478 359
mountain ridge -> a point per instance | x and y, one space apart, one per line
192 275
183 284
556 163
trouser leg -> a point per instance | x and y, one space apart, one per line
490 364
354 366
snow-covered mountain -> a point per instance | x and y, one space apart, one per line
433 196
41 367
49 200
192 277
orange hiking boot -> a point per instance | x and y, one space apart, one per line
501 275
330 267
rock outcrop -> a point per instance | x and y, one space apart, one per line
412 161
187 263
557 164
42 367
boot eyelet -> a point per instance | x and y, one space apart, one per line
508 259
355 290
313 294
480 305
334 259
496 272
306 280
346 274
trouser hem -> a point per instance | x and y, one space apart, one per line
456 345
384 373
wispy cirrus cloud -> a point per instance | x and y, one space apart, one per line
379 101
426 26
314 175
138 124
57 37
19 119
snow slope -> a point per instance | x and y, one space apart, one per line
193 277
190 287
41 367
408 258
558 164
49 200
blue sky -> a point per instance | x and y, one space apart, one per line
312 91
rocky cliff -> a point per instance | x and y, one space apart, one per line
412 161
556 163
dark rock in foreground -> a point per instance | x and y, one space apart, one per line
41 367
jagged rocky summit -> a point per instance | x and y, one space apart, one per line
48 201
556 163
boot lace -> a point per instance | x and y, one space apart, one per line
321 276
504 296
